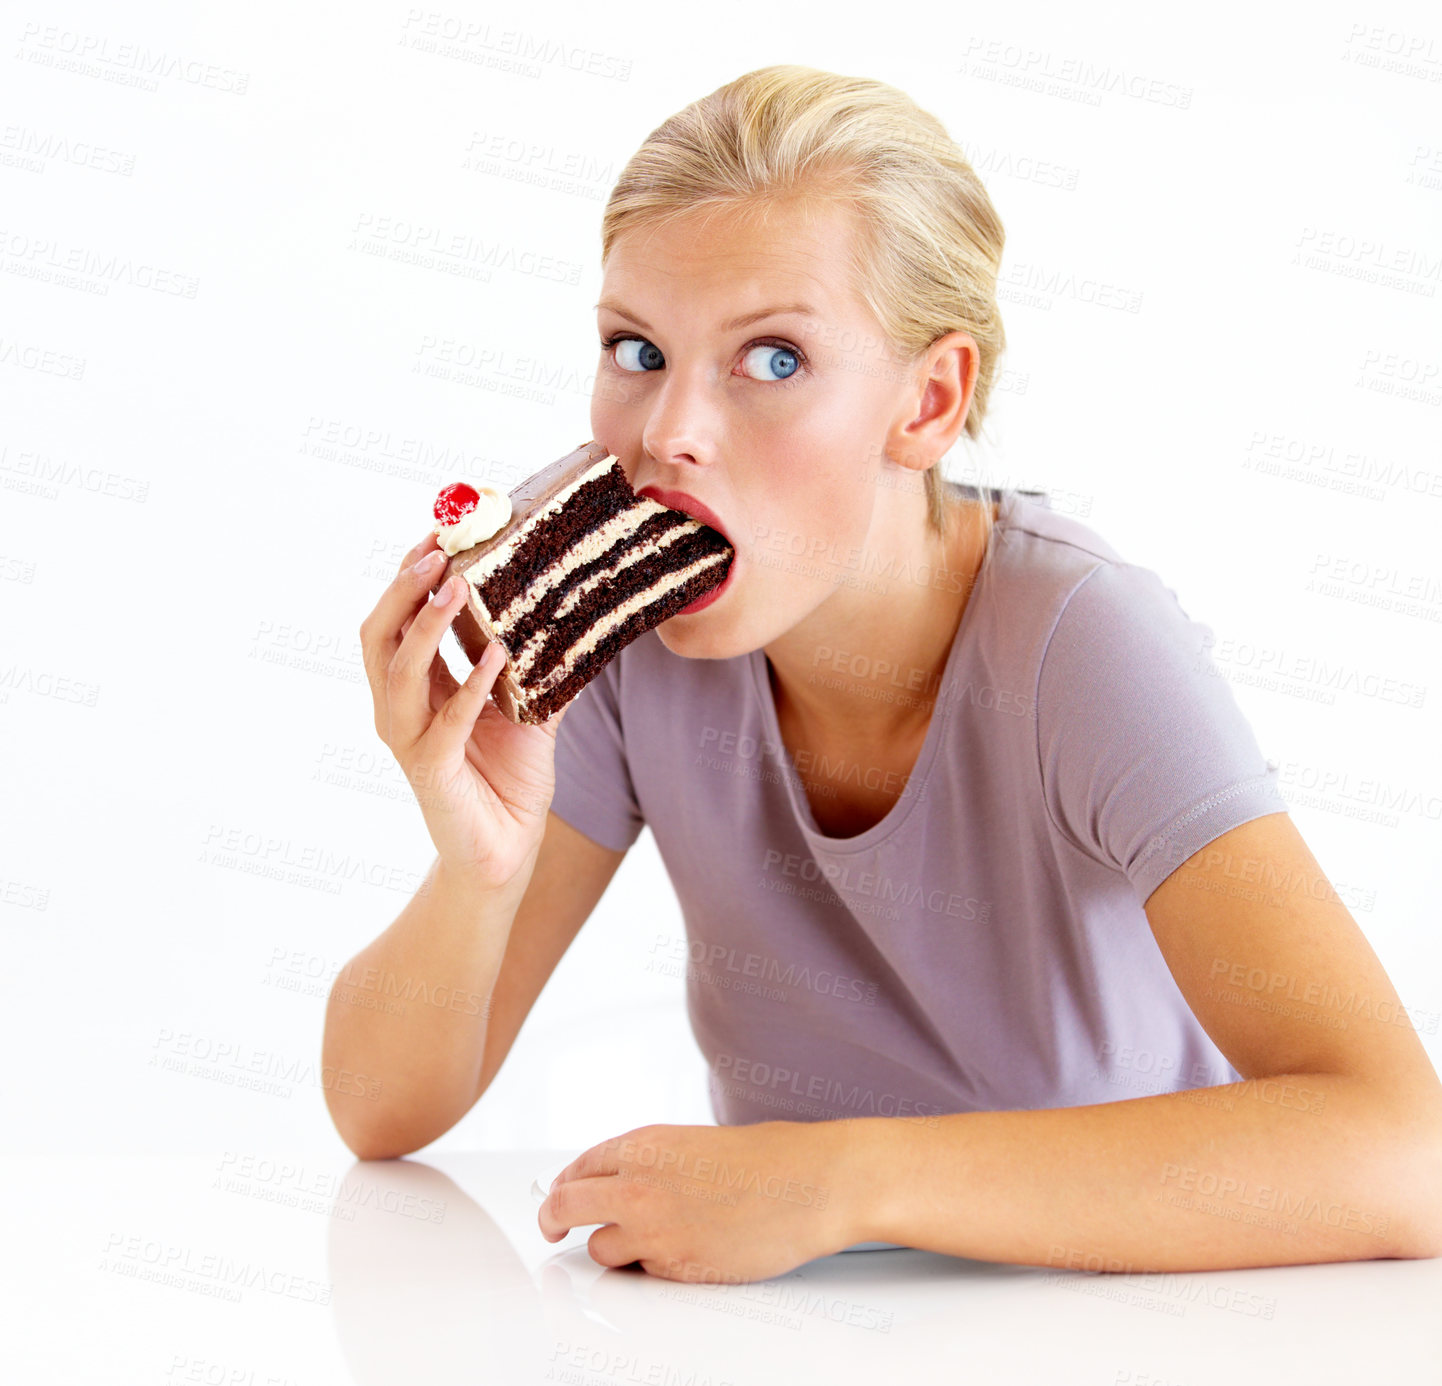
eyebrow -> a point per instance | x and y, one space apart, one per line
745 320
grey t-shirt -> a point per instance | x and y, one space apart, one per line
984 946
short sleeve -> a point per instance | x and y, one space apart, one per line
1145 755
594 793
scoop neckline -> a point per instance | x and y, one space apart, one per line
941 713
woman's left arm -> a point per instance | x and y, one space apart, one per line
1330 1150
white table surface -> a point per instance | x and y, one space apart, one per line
250 1269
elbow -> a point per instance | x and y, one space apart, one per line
369 1139
1415 1182
1420 1236
383 1151
376 1141
377 1145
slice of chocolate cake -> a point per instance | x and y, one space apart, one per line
581 567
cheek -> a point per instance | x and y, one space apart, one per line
818 489
616 409
804 540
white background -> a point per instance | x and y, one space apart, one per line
184 567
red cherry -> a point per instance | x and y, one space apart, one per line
455 500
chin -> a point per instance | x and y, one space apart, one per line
701 638
685 636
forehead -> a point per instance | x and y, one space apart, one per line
771 247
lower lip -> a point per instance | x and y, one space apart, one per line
706 598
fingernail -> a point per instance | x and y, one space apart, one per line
444 592
426 564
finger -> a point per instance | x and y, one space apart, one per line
599 1159
426 545
443 684
578 1203
457 715
408 675
381 631
612 1246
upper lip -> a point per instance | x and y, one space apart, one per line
679 500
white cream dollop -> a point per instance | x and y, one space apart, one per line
491 514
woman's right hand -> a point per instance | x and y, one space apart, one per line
483 782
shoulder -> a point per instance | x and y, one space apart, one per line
1074 583
1036 563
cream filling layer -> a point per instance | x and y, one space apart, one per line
568 603
487 564
615 618
587 550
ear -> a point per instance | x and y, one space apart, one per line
935 413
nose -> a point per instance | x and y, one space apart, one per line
683 422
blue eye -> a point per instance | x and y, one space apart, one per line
635 354
648 357
780 359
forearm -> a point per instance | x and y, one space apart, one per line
1279 1171
406 1017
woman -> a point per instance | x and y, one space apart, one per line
971 847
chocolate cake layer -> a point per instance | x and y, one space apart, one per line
575 679
542 636
583 567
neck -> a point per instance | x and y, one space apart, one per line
866 665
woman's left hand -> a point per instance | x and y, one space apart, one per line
714 1203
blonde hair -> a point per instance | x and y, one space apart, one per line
928 244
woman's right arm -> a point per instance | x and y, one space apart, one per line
430 1009
510 887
